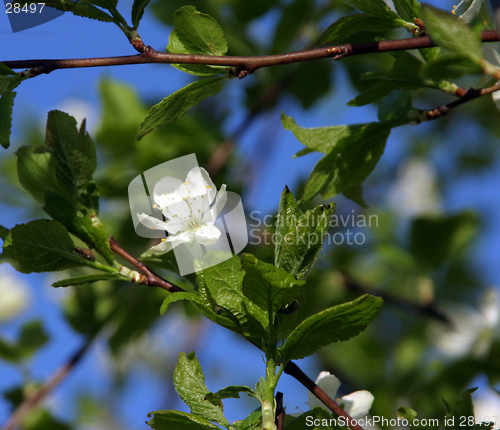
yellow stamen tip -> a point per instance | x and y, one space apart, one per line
185 183
164 240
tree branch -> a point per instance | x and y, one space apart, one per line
243 65
293 370
152 279
59 375
280 412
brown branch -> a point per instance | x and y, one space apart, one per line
468 95
59 375
243 65
152 279
280 412
293 370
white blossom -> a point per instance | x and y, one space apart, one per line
189 208
471 12
356 404
14 294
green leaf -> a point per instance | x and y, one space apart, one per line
33 336
346 26
268 286
231 392
6 104
376 8
9 82
86 279
448 31
79 8
171 108
221 285
198 32
138 11
189 382
171 420
405 413
299 236
3 232
320 139
348 163
41 246
434 239
316 88
338 323
4 70
106 4
408 9
450 66
73 149
251 422
10 351
396 107
463 409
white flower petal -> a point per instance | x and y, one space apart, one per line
166 190
199 183
207 234
220 201
152 222
329 384
471 12
357 404
182 237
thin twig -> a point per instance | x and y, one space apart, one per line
243 65
293 370
152 279
280 412
59 375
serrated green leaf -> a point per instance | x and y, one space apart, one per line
9 82
78 8
73 149
189 382
86 279
434 239
106 4
463 409
268 286
305 420
221 285
32 337
41 246
4 70
138 11
338 323
251 422
6 104
448 31
231 392
171 420
346 26
299 236
171 108
198 32
348 163
320 139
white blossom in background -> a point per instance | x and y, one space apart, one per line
190 208
473 330
14 293
492 55
415 191
470 13
356 405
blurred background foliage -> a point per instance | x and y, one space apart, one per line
432 252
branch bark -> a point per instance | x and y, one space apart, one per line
242 65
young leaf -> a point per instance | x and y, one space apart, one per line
221 285
33 336
231 392
338 323
450 66
138 10
171 108
395 107
463 409
3 232
348 164
346 26
410 415
9 82
168 420
450 33
86 279
4 70
189 382
376 8
78 8
73 149
299 236
40 246
6 104
251 422
268 286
